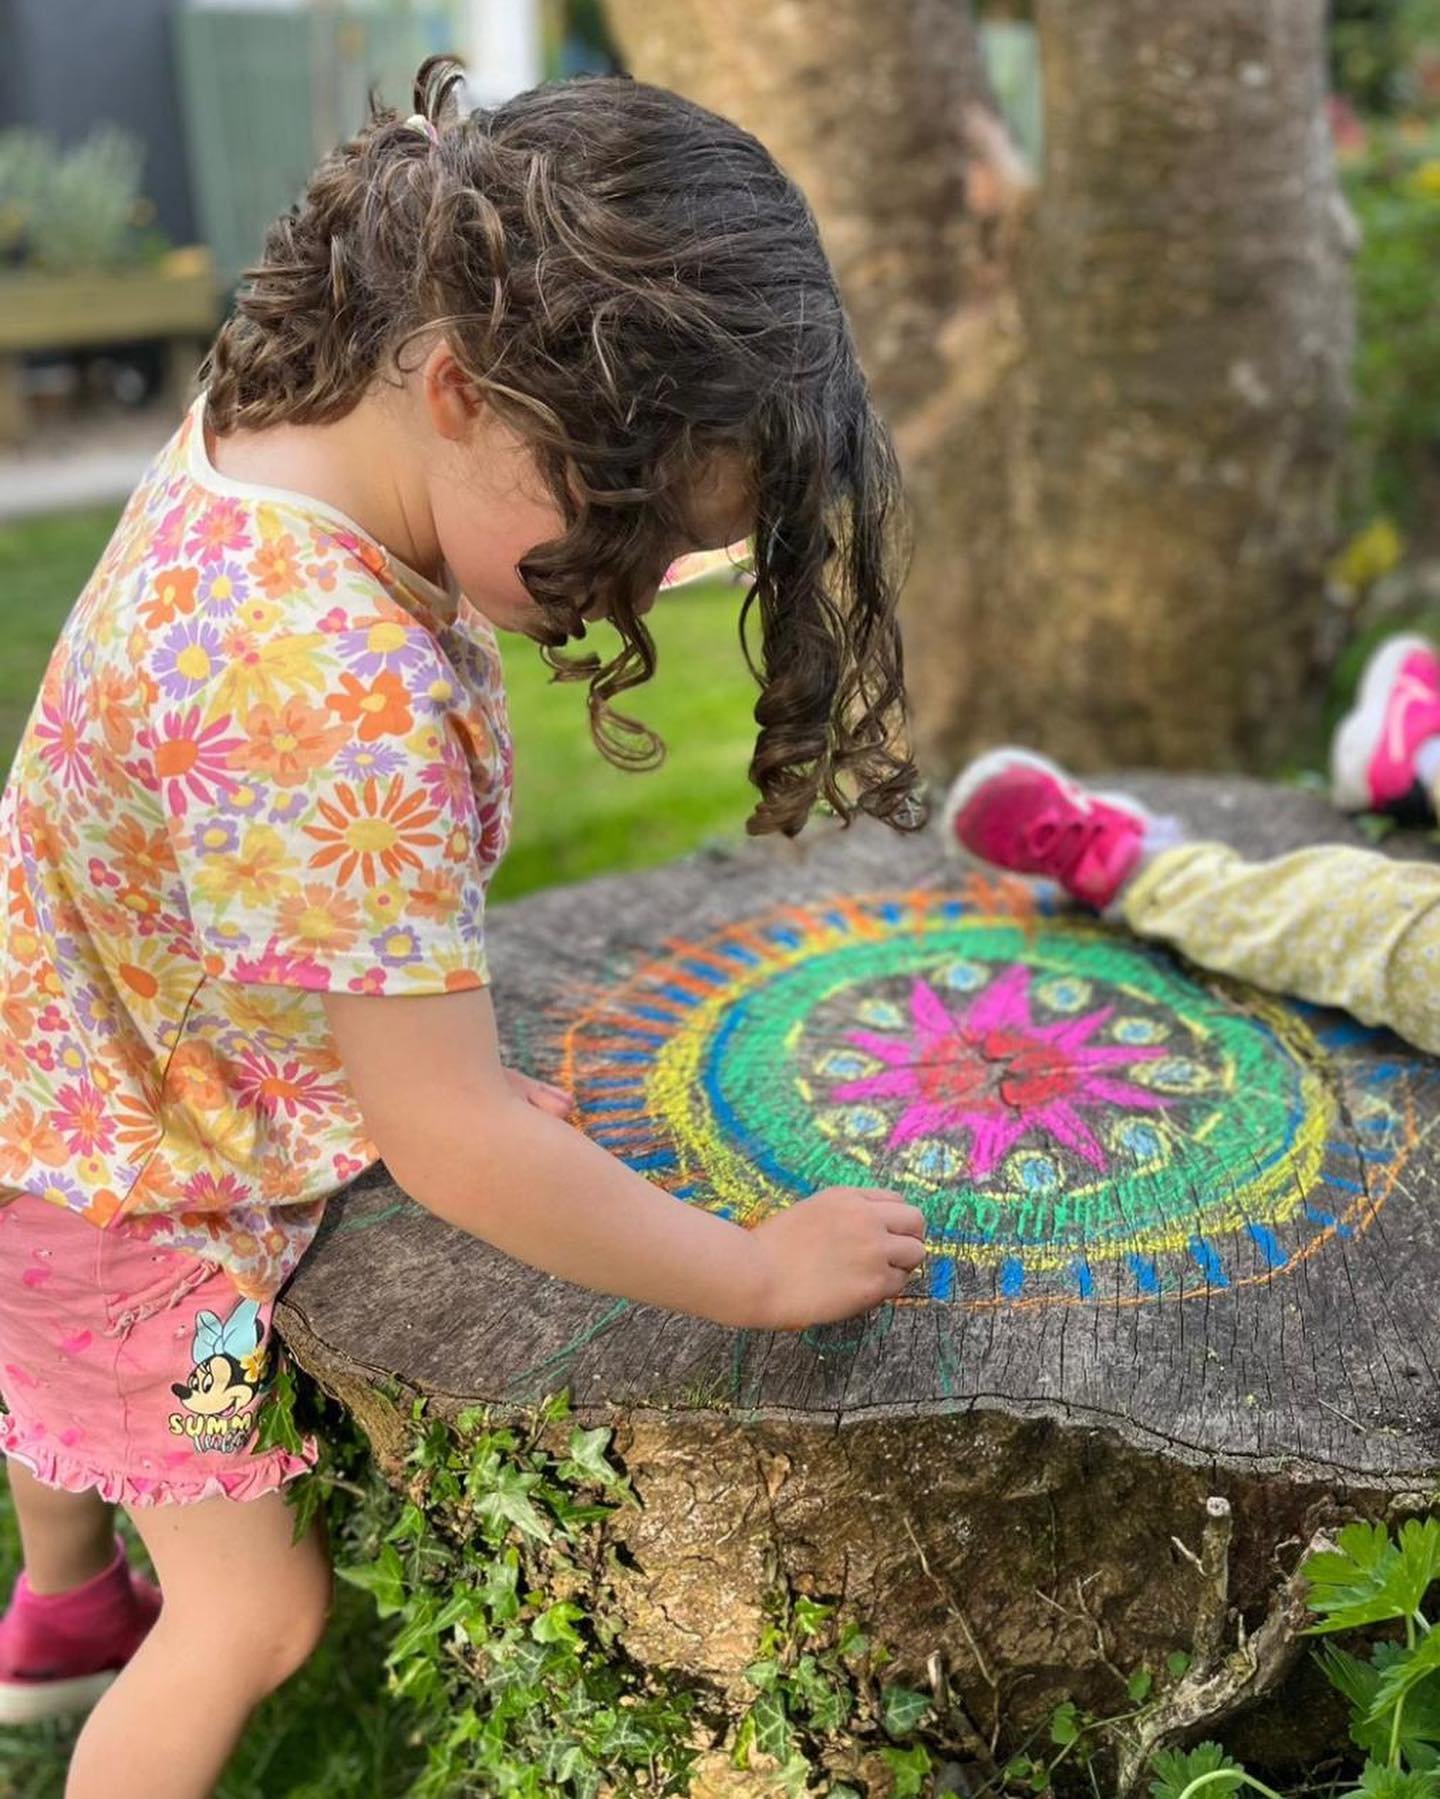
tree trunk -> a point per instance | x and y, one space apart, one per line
1120 394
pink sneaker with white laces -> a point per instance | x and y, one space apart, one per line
1020 812
1397 707
60 1651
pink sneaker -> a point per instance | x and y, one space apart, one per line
1372 758
1018 811
59 1651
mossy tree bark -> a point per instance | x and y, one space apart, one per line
1119 390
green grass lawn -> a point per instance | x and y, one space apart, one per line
332 1734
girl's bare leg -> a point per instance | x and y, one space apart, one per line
243 1609
67 1538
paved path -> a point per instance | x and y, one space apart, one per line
69 466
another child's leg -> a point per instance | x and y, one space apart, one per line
244 1608
67 1538
1335 926
1338 927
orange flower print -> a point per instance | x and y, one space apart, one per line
197 1076
27 1137
276 566
19 904
320 918
142 857
115 704
137 1128
365 832
171 596
13 1060
287 742
435 895
381 707
220 527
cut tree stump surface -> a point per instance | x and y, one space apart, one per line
1198 1218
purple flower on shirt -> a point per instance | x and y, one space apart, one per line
95 1010
396 946
382 643
285 808
187 658
223 588
245 800
216 836
357 761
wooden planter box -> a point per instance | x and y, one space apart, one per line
176 300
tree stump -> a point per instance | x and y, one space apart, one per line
1185 1257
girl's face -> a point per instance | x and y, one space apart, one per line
491 508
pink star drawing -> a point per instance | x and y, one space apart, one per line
994 1072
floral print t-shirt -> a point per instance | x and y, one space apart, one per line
266 762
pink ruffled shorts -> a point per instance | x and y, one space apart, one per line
129 1367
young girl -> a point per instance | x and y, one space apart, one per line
1335 926
502 371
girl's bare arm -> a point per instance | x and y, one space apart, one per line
461 1140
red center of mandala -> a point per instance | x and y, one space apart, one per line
991 1071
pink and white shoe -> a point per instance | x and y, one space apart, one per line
60 1651
1397 707
1020 812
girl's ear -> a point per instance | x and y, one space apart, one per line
451 399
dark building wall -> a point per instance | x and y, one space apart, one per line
69 65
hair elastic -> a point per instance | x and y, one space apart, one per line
418 122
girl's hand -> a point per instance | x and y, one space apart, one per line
541 1094
835 1255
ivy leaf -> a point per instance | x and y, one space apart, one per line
772 1727
794 1776
508 1502
557 1625
810 1616
383 1579
1177 1663
1175 1770
901 1709
763 1674
502 1577
853 1640
908 1768
277 1426
587 1460
1370 1578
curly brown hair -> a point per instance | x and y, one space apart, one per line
634 286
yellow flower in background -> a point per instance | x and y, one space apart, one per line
1425 180
1370 554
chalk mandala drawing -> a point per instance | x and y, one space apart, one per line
1078 1118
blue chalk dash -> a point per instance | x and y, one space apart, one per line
1012 1277
1268 1244
1147 1277
942 1277
1210 1264
1318 1214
